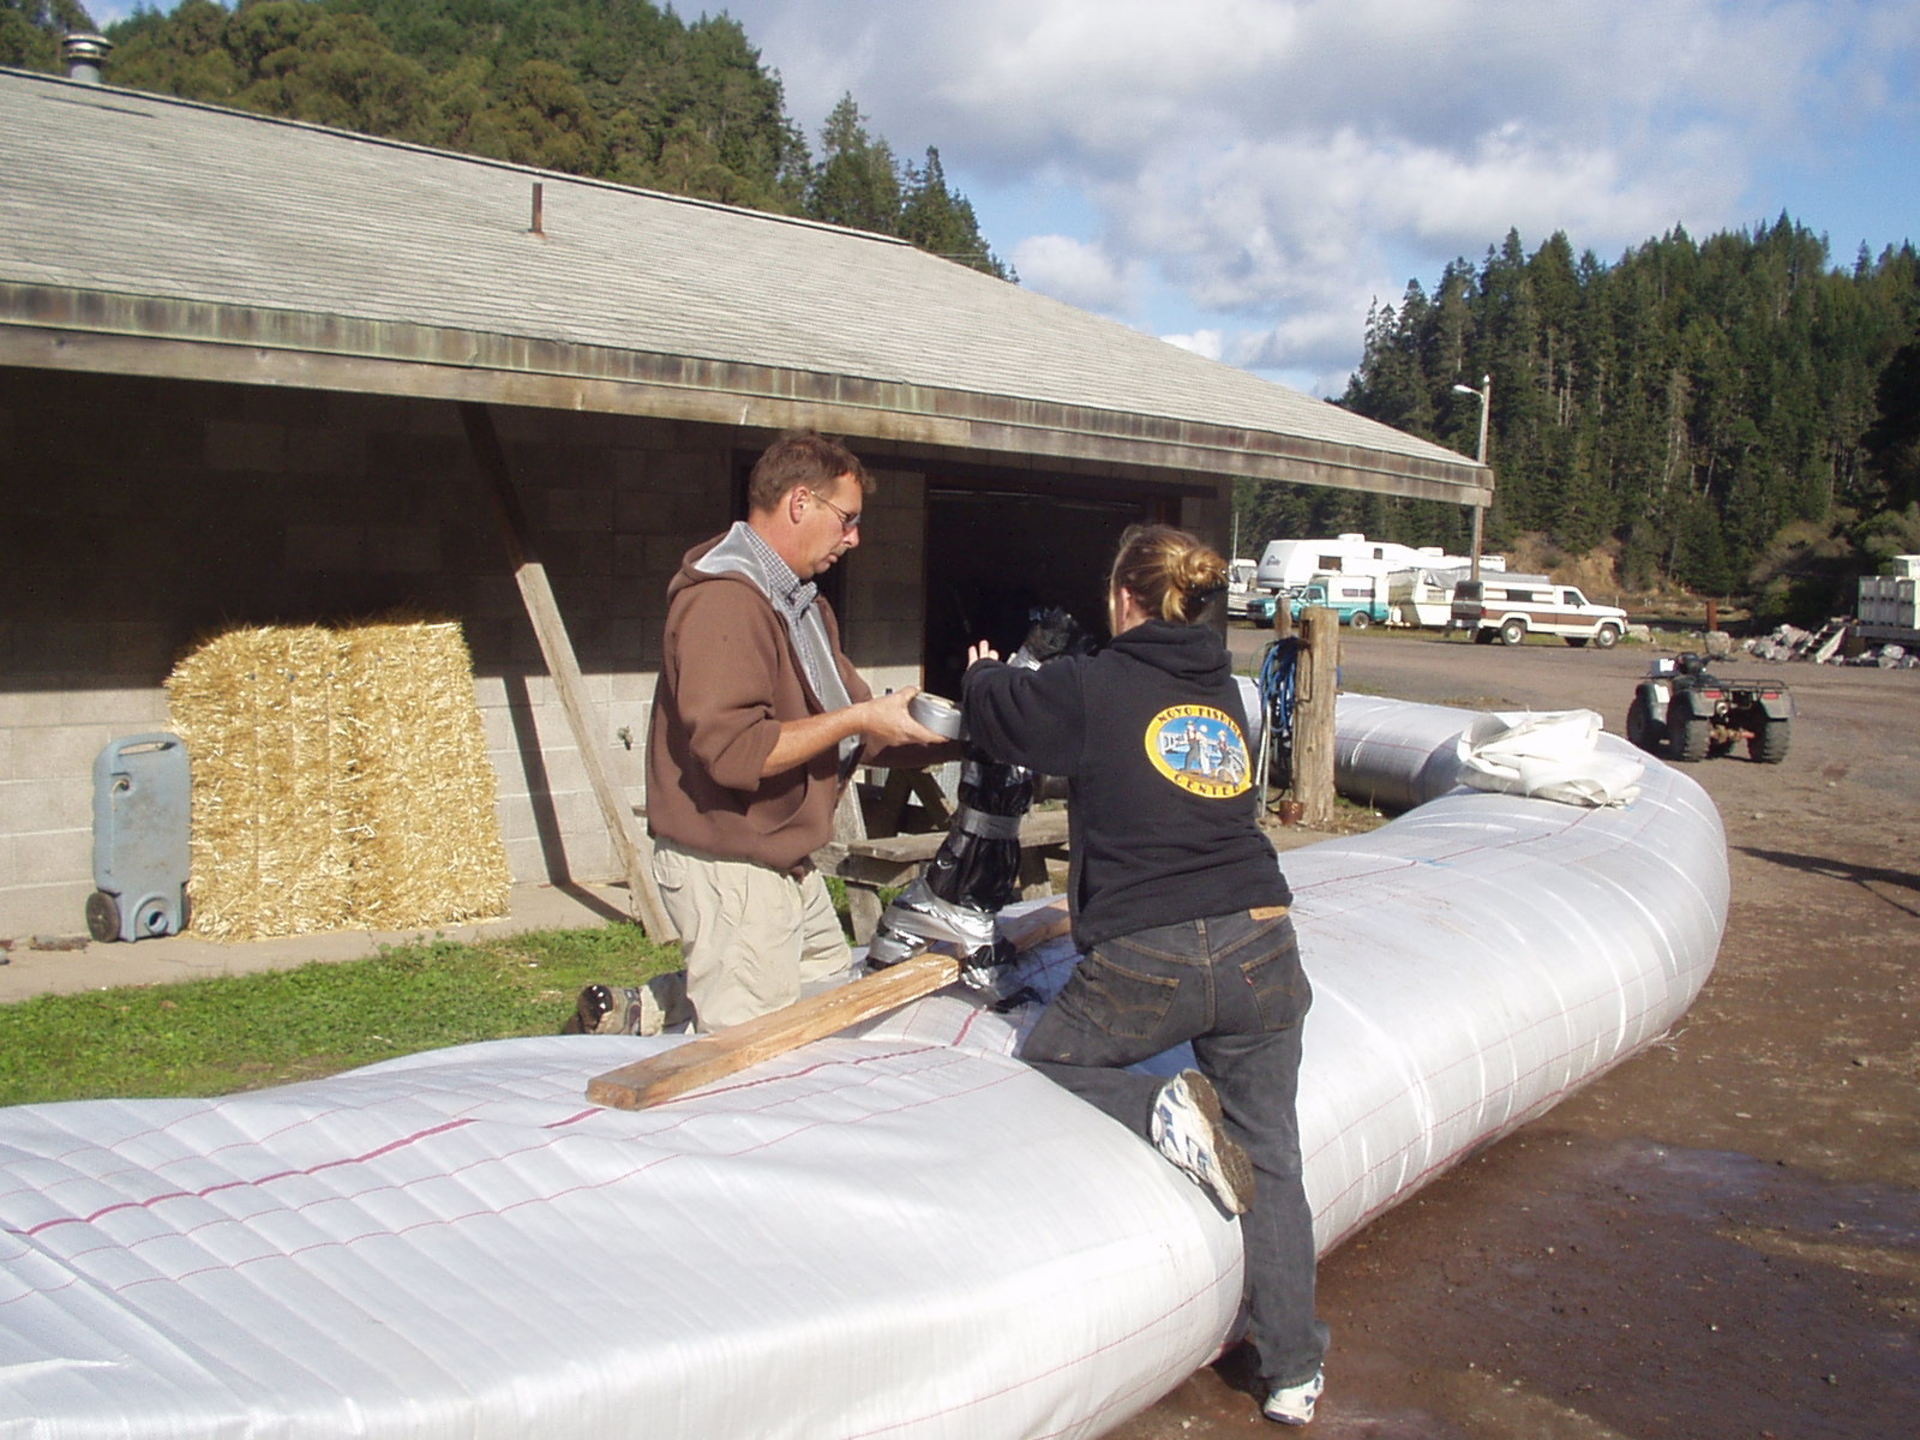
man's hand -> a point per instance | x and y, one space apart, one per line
981 650
884 721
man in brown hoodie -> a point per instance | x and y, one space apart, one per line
758 722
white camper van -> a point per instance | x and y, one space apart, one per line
1287 565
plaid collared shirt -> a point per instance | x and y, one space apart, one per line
793 597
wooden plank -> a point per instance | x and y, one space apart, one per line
711 1058
1038 828
703 1061
557 648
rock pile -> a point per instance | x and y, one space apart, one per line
1823 647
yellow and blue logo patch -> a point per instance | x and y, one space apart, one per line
1201 750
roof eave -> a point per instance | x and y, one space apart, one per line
65 328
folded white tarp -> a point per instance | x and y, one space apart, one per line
898 1232
1556 756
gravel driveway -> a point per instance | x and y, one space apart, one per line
1720 1238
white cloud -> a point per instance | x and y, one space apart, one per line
1076 272
1210 343
1274 159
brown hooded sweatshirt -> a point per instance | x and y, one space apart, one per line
728 676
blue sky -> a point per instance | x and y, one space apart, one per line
1245 177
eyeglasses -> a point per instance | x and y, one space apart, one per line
848 522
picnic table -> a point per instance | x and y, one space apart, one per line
882 843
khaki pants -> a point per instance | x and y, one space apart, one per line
752 937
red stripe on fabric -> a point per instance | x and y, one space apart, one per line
151 1200
950 1057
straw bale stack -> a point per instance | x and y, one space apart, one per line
426 846
340 780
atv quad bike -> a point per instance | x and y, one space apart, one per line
1698 716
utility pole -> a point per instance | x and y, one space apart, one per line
1485 396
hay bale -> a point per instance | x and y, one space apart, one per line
425 841
259 712
340 780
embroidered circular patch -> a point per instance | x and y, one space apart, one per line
1200 749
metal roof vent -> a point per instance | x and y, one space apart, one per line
85 55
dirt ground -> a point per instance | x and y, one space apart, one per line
1721 1237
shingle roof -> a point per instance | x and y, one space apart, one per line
317 256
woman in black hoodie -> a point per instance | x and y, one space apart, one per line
1180 913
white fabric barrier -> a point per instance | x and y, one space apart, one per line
900 1232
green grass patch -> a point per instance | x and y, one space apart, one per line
212 1037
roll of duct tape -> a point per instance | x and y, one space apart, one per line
938 714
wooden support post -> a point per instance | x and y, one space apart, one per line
711 1058
556 646
1313 716
849 828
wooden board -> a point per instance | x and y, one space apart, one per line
712 1058
556 647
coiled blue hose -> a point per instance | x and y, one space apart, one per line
1278 682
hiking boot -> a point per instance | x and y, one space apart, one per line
1188 1130
1293 1404
589 1011
616 1010
654 1008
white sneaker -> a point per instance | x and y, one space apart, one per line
1293 1404
1188 1130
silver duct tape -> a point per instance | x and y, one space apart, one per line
917 916
983 826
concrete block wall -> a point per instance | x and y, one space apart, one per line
883 619
142 516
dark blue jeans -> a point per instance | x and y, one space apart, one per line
1231 984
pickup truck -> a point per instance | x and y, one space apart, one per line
1508 608
1359 600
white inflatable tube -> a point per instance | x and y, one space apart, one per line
896 1233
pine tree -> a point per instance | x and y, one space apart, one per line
937 220
857 183
30 31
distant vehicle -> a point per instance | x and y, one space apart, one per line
1422 597
1261 607
1509 608
1359 600
1240 584
1692 715
1292 564
1889 606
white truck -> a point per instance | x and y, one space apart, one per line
1889 606
1240 584
1508 608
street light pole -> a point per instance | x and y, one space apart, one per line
1485 395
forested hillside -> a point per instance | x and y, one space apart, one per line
622 90
1735 415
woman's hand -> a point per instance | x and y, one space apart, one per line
981 650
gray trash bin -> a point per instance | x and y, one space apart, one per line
141 816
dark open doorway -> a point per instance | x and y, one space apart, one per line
995 556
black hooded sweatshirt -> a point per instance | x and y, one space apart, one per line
1152 738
